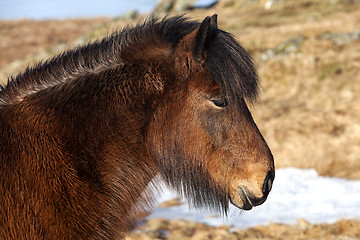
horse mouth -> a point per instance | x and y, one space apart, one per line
244 197
248 201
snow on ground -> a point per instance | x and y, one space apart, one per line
296 193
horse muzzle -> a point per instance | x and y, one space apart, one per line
246 199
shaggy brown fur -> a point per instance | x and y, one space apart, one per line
84 133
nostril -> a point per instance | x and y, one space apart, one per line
268 183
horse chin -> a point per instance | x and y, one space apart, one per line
240 200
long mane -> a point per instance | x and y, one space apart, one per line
227 61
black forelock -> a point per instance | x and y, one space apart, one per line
232 68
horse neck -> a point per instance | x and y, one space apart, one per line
95 126
122 112
100 118
112 110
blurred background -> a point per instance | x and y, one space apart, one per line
307 53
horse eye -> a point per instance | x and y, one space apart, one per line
220 102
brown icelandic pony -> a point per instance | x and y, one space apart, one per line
83 134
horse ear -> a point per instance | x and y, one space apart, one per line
192 48
205 35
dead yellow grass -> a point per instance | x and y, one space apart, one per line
186 230
310 106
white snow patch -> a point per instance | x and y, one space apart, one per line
296 193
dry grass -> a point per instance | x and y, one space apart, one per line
25 41
156 229
310 106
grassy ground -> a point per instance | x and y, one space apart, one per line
309 109
186 230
